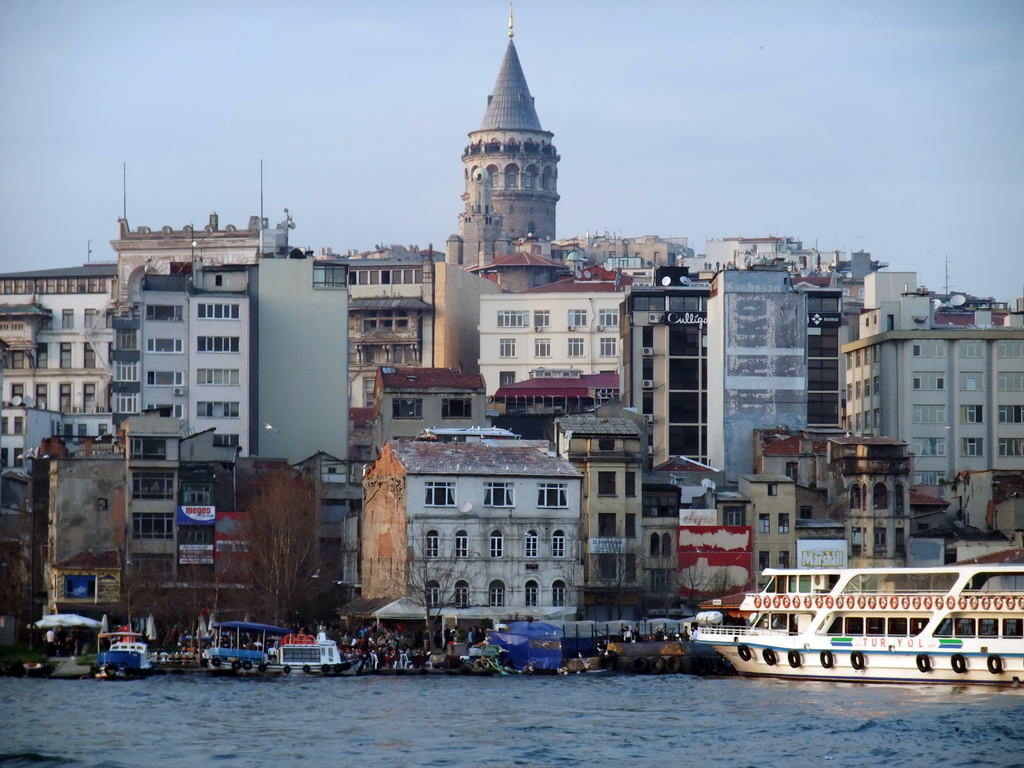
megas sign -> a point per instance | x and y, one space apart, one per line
700 319
195 515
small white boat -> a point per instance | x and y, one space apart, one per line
314 656
948 624
127 657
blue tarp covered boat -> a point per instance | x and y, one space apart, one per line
529 645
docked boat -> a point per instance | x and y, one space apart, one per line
241 647
948 624
126 657
314 656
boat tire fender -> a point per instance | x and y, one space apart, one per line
286 670
639 664
959 663
657 665
236 665
857 660
262 667
246 665
215 661
673 664
995 664
924 662
305 668
827 659
325 669
744 652
769 657
793 657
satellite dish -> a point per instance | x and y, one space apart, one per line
465 507
957 300
28 401
684 280
708 483
666 280
586 273
16 400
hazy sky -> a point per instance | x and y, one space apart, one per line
892 127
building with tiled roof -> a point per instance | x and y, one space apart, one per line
408 400
473 530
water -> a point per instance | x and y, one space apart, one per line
597 720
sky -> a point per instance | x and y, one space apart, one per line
890 126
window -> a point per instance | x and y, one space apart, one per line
606 524
783 558
218 312
505 378
164 312
880 496
88 356
1010 414
929 380
929 446
970 348
165 378
65 355
1011 446
513 318
806 513
218 376
127 340
431 544
971 414
407 408
79 586
42 355
153 485
457 408
575 346
552 495
67 318
225 440
433 594
217 344
630 528
783 522
972 446
971 381
734 516
558 544
930 348
42 392
577 318
558 593
329 275
929 414
497 544
655 545
499 494
606 483
763 559
165 346
631 483
1010 380
152 525
881 540
506 347
196 494
530 594
125 402
609 318
773 489
65 397
152 448
216 410
609 347
461 594
792 470
439 494
461 544
530 544
764 523
542 347
542 318
898 498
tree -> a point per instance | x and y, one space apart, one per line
433 577
280 532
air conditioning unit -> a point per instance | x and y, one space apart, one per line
650 449
600 327
179 390
654 317
648 383
648 351
538 328
572 327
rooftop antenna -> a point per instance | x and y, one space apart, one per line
511 33
947 274
124 191
88 251
261 192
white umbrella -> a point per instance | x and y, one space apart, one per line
104 625
202 629
55 620
150 628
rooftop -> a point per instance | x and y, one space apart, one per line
433 458
404 379
586 425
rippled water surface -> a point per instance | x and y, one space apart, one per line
603 719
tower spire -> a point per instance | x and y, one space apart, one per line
511 31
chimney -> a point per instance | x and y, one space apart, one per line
214 221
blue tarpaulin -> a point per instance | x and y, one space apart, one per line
530 644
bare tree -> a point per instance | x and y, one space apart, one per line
433 579
613 576
280 532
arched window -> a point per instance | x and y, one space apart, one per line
433 594
855 496
897 501
497 544
461 544
530 550
512 177
496 594
864 496
881 496
666 545
558 593
531 594
462 594
558 544
432 544
655 545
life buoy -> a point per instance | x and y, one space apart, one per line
857 660
744 652
298 640
995 664
974 603
986 603
262 667
905 602
819 601
785 601
769 657
757 601
924 662
959 663
236 665
808 602
827 659
246 665
215 661
829 602
793 657
950 602
927 602
997 603
871 602
915 602
861 602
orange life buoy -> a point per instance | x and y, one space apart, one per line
819 601
927 603
861 601
871 601
986 603
777 602
829 602
298 640
950 602
841 602
757 601
997 603
915 601
974 603
963 603
905 602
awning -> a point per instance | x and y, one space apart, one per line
509 393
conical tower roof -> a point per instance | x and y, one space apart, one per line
510 106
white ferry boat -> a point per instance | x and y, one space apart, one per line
314 655
950 624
